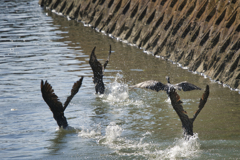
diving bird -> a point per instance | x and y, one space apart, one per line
158 86
187 123
98 70
55 105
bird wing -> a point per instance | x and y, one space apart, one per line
74 91
51 98
95 65
176 103
187 124
202 102
151 84
185 86
105 64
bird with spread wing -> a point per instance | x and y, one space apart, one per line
98 70
187 123
158 86
55 105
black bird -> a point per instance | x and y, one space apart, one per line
55 105
187 123
98 70
158 86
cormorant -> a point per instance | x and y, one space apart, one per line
55 105
98 70
158 86
187 123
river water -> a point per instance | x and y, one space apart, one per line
124 123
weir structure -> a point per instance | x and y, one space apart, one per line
203 35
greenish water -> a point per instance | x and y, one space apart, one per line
123 123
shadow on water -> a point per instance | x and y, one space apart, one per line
60 139
57 142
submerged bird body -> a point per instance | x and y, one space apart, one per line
99 86
98 70
158 86
55 105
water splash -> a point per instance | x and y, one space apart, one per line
113 131
91 133
181 148
117 93
168 100
68 129
121 145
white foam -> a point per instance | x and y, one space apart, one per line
91 133
97 29
168 100
195 72
114 141
119 39
67 129
117 93
124 41
179 65
132 44
113 131
181 148
184 67
68 18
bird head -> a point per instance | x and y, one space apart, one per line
168 79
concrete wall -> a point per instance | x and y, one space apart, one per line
203 35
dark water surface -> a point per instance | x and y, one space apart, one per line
123 123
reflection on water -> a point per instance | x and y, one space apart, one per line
124 123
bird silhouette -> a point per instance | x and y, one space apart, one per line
98 70
158 86
55 105
187 123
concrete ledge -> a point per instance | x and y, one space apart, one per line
203 35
